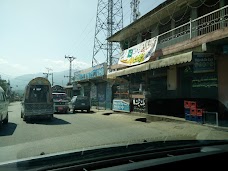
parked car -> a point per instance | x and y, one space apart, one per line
80 103
3 107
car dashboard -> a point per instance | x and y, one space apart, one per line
179 158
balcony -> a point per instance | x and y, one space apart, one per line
208 23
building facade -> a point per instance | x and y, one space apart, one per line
188 62
95 85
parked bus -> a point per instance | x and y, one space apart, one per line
60 99
37 100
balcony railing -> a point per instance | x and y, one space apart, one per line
210 22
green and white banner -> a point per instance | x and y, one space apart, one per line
139 53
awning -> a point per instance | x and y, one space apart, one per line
174 60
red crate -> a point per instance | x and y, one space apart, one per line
199 112
193 105
193 111
187 104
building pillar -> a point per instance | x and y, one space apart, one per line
221 3
193 15
108 96
222 13
139 38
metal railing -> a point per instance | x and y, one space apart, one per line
210 22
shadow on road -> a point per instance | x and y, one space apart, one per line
68 113
84 112
8 129
76 112
54 121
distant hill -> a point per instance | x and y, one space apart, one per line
19 83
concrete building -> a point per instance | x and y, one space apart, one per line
177 51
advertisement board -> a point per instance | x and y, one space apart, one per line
121 105
203 63
140 105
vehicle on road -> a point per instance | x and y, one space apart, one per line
3 107
80 103
60 99
37 101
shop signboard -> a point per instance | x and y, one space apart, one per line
139 53
121 105
139 105
90 73
203 63
205 81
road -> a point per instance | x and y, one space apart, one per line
19 139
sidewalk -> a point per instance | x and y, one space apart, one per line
153 118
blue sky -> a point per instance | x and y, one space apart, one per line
35 34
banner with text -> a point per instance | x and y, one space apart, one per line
90 73
139 53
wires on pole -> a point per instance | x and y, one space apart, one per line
71 59
135 10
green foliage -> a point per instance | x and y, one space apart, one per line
3 84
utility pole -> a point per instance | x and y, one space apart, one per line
47 74
135 10
52 79
70 58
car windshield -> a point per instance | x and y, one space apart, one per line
93 74
59 96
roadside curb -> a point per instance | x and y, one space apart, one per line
152 117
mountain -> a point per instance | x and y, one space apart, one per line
19 83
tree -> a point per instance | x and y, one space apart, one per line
4 84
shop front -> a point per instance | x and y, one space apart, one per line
121 95
152 85
95 85
161 86
139 92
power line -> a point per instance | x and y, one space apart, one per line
83 34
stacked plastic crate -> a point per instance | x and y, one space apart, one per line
187 110
199 115
192 112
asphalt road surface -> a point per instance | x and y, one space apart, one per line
78 131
